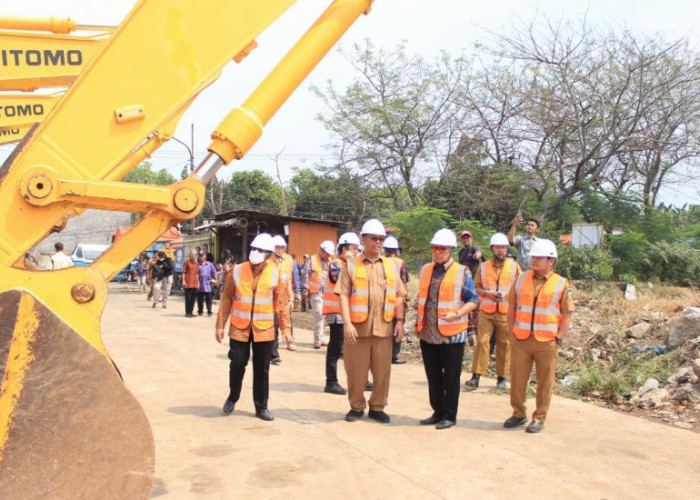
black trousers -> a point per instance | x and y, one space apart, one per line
202 298
190 294
239 353
395 350
443 367
333 352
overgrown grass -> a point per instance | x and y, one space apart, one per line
622 377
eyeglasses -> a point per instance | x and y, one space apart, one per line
441 249
376 239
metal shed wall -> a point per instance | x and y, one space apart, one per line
305 237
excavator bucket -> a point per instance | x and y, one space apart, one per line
59 397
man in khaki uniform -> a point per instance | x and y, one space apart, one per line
539 317
371 298
493 281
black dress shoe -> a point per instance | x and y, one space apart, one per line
473 383
354 416
398 361
276 361
431 420
369 386
228 406
379 416
334 388
501 384
445 424
534 427
514 421
264 415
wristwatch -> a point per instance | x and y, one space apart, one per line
458 316
398 319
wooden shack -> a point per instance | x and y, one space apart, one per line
233 231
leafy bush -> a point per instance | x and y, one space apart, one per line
586 263
416 228
629 250
674 263
627 279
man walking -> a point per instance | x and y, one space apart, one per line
286 265
539 316
391 252
493 281
60 260
314 281
252 296
446 295
371 298
207 281
524 243
190 282
162 274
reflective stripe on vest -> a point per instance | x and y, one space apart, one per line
492 283
543 320
259 306
359 297
449 298
315 273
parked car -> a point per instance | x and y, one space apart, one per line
85 253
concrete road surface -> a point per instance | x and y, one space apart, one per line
180 374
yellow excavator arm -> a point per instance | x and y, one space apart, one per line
18 112
59 387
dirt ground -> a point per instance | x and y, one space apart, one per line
179 374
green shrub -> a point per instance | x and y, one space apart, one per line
586 263
627 279
674 263
629 250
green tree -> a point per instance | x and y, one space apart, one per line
415 229
252 190
144 174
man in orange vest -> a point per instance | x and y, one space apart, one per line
493 281
371 298
391 251
446 296
253 294
348 244
314 280
539 316
286 264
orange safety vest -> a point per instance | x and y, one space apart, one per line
493 283
359 298
538 314
449 298
315 274
257 305
331 300
398 262
286 265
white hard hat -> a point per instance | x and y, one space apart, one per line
499 239
279 241
373 226
445 238
543 248
328 246
264 242
349 238
391 243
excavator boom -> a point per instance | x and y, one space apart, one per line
59 387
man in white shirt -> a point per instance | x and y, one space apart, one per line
59 260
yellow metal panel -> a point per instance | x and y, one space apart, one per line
23 110
13 134
32 60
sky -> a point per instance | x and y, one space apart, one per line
427 27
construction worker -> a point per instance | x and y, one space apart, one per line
493 281
446 295
314 281
391 251
347 249
286 264
371 296
539 316
524 243
252 296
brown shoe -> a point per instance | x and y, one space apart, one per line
291 346
318 345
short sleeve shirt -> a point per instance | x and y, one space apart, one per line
524 245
